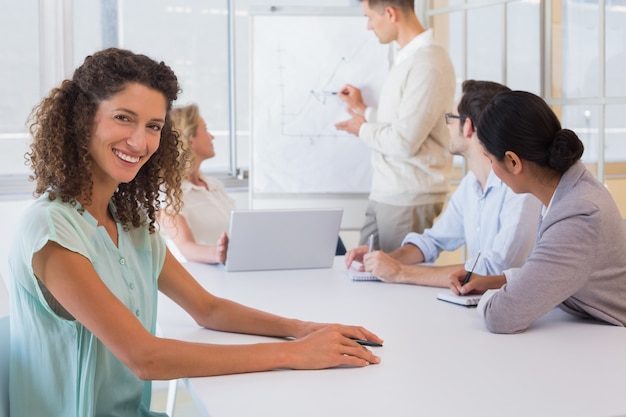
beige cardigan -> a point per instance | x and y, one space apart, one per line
407 134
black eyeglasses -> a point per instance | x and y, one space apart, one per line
450 116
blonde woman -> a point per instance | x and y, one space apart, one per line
199 230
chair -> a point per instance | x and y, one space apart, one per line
172 386
4 299
341 248
171 397
4 355
4 366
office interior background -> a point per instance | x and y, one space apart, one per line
571 52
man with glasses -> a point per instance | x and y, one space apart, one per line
483 213
406 133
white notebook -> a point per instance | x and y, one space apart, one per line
470 300
357 275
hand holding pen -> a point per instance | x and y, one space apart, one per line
462 282
467 277
351 95
367 342
471 271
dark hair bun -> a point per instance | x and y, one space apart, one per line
566 148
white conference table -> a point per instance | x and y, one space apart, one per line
438 358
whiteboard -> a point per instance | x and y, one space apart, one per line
298 61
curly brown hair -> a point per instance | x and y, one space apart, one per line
62 124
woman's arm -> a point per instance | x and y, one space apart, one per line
389 269
221 314
72 280
179 231
559 266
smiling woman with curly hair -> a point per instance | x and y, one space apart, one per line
62 126
86 263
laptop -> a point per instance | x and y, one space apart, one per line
282 239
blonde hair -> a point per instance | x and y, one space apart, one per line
185 120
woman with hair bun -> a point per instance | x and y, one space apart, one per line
579 259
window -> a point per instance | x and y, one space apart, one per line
506 50
19 84
192 36
575 65
588 53
574 61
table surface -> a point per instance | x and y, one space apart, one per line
438 358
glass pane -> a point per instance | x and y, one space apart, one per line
189 46
442 4
195 46
484 43
584 120
615 149
615 39
260 4
88 18
201 66
523 46
575 49
449 31
615 133
20 82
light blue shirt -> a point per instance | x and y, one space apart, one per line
58 367
496 221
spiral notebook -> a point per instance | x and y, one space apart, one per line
357 275
470 300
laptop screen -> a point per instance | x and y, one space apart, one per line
282 239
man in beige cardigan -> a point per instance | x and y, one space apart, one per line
407 134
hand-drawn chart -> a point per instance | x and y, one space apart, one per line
299 65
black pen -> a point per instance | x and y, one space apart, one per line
469 273
366 342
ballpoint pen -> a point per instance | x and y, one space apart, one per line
469 273
366 342
370 243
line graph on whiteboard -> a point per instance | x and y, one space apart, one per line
299 65
311 112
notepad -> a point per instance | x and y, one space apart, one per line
470 300
357 275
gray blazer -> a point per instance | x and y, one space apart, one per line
578 262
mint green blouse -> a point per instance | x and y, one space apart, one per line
58 367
